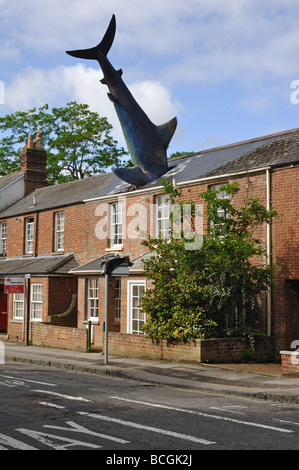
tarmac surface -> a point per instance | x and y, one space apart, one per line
262 381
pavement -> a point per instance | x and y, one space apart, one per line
260 381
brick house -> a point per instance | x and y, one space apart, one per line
60 234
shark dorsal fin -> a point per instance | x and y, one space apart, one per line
166 131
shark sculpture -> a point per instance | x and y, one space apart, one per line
146 142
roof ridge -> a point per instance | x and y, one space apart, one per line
235 144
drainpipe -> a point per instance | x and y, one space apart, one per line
269 258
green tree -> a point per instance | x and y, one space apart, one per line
77 141
199 293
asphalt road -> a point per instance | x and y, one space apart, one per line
49 409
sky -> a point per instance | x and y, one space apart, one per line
224 68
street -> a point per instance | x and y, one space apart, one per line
48 409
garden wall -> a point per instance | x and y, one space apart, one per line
211 350
52 336
289 362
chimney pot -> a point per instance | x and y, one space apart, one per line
30 142
38 139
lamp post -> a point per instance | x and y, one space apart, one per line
113 266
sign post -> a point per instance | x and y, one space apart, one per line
27 276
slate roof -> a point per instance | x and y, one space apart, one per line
280 152
64 194
94 266
7 179
44 264
276 148
273 149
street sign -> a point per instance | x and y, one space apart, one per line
14 285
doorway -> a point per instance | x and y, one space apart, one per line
3 310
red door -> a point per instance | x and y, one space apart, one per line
3 312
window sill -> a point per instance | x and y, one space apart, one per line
115 248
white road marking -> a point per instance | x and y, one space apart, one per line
288 422
14 443
77 428
49 440
53 405
147 428
28 380
225 408
60 395
206 415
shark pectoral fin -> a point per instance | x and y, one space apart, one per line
166 131
112 98
133 176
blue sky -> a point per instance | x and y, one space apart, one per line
224 68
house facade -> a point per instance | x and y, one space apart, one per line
55 238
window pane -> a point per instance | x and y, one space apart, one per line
18 306
93 298
117 299
59 231
138 317
36 301
29 229
116 223
163 224
3 237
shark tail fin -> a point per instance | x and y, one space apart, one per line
103 47
166 131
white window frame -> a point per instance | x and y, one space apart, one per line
36 302
3 238
29 235
133 310
116 224
222 195
59 231
18 306
117 299
92 299
163 222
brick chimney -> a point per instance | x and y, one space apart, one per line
33 163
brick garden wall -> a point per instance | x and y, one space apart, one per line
46 335
211 350
290 362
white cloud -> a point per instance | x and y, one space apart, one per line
35 87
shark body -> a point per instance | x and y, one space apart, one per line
146 142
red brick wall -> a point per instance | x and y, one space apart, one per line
289 363
285 235
33 163
53 336
223 350
82 223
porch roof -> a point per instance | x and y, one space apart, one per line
38 265
94 266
